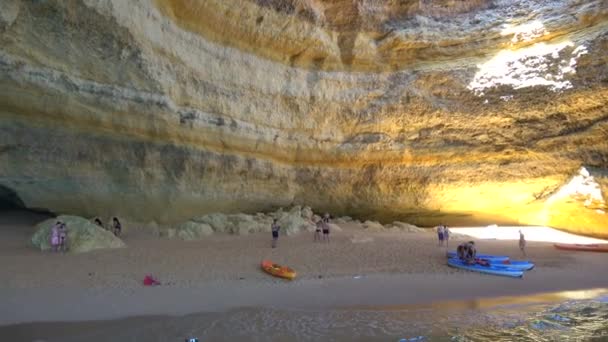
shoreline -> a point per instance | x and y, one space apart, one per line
378 290
222 272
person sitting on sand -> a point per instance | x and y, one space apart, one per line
274 228
440 235
117 227
55 236
63 237
98 222
522 243
318 228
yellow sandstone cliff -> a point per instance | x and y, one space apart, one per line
428 111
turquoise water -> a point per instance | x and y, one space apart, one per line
571 316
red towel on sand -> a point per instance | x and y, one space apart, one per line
149 281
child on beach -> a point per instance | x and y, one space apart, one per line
55 236
446 236
522 243
117 226
274 228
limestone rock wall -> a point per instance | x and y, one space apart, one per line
424 111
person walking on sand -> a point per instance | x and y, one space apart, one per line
446 236
440 235
522 243
274 228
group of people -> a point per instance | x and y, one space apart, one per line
59 237
443 234
59 233
322 227
116 226
467 252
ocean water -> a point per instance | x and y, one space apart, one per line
565 316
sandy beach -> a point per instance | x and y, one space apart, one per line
358 268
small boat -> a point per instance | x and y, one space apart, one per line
500 271
489 257
578 247
278 270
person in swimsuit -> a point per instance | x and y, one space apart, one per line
522 243
318 228
274 228
325 226
116 226
446 236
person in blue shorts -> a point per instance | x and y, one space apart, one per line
440 234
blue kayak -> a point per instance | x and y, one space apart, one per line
453 254
523 265
500 271
499 261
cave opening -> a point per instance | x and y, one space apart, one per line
9 199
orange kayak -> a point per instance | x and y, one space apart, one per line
278 270
577 247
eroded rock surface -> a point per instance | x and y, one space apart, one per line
421 111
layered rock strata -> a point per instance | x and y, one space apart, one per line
424 111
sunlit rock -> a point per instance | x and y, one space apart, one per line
459 112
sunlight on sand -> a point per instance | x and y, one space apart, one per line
531 233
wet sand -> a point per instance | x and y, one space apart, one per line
222 272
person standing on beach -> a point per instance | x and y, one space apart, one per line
55 236
274 228
318 228
325 225
63 237
446 236
440 235
522 243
